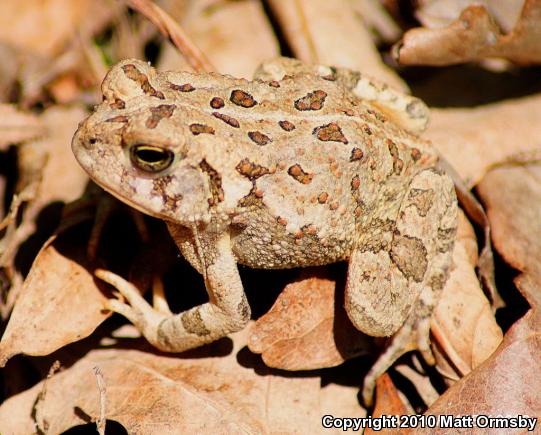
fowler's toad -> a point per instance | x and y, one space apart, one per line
303 166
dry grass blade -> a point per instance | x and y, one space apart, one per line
377 19
100 423
439 13
169 28
474 36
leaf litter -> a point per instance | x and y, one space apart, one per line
309 364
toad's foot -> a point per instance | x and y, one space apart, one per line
227 310
413 335
137 310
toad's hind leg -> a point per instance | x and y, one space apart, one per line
398 269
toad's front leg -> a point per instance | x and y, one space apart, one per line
227 310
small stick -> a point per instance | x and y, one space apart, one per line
100 423
40 424
172 30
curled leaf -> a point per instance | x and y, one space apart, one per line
474 36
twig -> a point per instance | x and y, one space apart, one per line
170 28
100 423
40 424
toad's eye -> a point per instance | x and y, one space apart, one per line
150 158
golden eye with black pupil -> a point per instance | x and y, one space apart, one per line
150 158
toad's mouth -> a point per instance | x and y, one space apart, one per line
128 201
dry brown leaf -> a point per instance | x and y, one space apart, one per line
388 403
48 172
150 394
439 13
463 324
329 33
65 89
219 29
473 140
44 27
43 41
512 195
340 401
58 304
63 179
508 383
307 328
513 199
18 126
474 36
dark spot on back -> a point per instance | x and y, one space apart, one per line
215 182
286 125
250 200
311 101
186 87
118 104
415 154
299 174
355 182
398 164
142 80
118 118
229 120
330 132
158 113
251 170
201 128
259 138
242 99
356 154
323 197
217 103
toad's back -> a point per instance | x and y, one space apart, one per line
297 167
